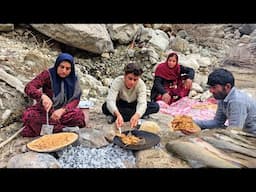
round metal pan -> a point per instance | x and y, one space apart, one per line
151 140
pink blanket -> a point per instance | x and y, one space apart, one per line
185 106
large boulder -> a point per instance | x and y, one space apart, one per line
123 33
90 37
240 60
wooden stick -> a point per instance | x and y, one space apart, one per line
11 138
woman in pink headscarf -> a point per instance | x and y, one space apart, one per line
172 80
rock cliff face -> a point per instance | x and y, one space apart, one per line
241 60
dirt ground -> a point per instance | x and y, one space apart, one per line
97 120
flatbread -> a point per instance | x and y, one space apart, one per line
52 142
205 106
185 124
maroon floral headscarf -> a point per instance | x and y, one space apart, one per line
164 71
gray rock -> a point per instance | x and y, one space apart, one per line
33 160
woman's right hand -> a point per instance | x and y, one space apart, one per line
47 102
166 98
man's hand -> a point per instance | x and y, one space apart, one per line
47 102
134 120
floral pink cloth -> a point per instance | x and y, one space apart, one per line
185 106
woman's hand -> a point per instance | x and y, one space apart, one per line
56 115
47 102
188 83
166 98
134 120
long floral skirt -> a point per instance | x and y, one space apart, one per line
35 116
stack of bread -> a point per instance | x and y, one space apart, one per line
185 124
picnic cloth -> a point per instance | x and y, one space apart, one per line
199 110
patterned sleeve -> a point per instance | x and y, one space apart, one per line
32 89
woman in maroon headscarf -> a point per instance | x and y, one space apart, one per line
57 91
172 80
